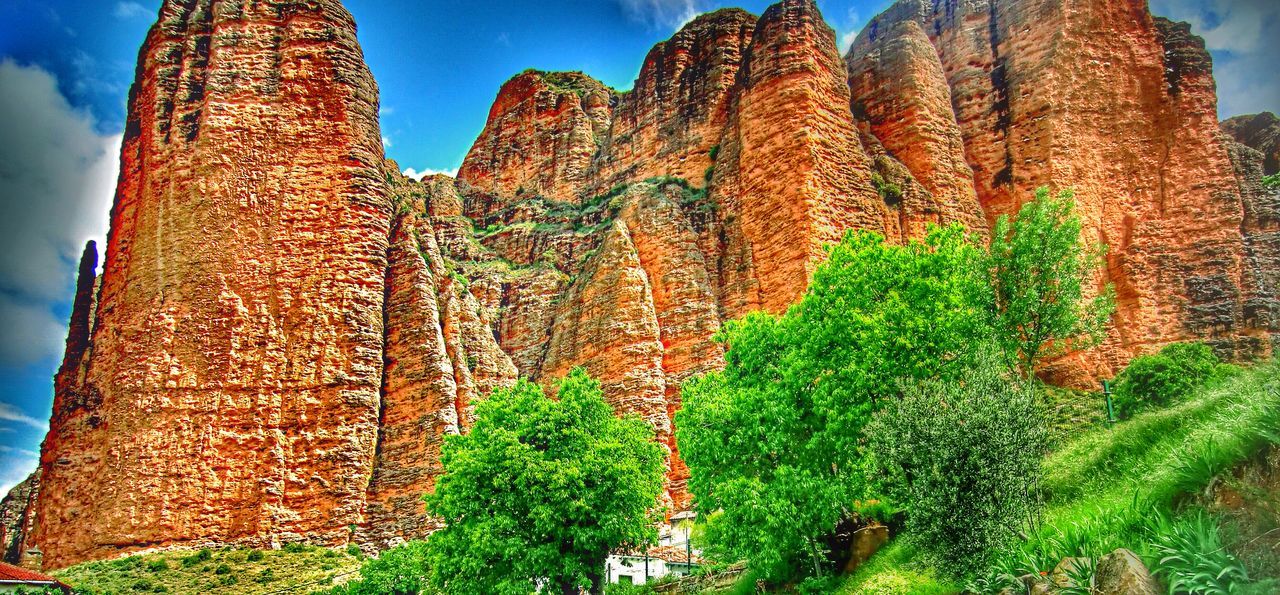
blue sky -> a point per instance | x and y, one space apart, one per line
66 66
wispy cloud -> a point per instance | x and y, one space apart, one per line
10 413
57 181
14 469
386 142
22 452
419 175
662 14
130 10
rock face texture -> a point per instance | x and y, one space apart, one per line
286 329
1100 97
17 518
229 388
1260 132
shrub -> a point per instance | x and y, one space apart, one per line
157 566
965 458
1166 377
255 555
222 569
354 550
295 548
266 576
200 557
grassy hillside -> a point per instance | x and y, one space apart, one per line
295 569
1109 487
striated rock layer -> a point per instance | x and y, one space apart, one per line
286 329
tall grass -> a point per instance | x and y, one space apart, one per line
1113 488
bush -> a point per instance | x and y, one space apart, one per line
1271 182
402 570
965 457
255 555
202 556
1166 377
157 566
222 569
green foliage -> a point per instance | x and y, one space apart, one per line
1040 276
714 153
963 455
248 572
542 488
402 570
1271 182
157 565
899 569
1165 377
1188 555
203 555
774 441
890 192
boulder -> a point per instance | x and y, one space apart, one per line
1122 573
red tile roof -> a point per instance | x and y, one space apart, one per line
11 573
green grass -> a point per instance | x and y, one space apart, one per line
898 569
214 571
1105 486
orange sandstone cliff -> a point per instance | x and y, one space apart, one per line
286 329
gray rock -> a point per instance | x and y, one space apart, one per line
1122 573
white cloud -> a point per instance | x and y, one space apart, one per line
849 28
386 142
57 182
10 413
662 14
130 10
14 469
419 175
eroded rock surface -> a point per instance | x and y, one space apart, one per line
1102 98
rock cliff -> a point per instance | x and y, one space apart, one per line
286 329
1260 132
1099 97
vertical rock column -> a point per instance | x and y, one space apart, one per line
231 388
791 167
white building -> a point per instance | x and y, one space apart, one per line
674 554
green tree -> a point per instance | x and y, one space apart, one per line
1040 273
774 440
543 489
401 570
965 457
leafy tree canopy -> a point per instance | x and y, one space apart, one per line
542 490
1041 273
774 439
